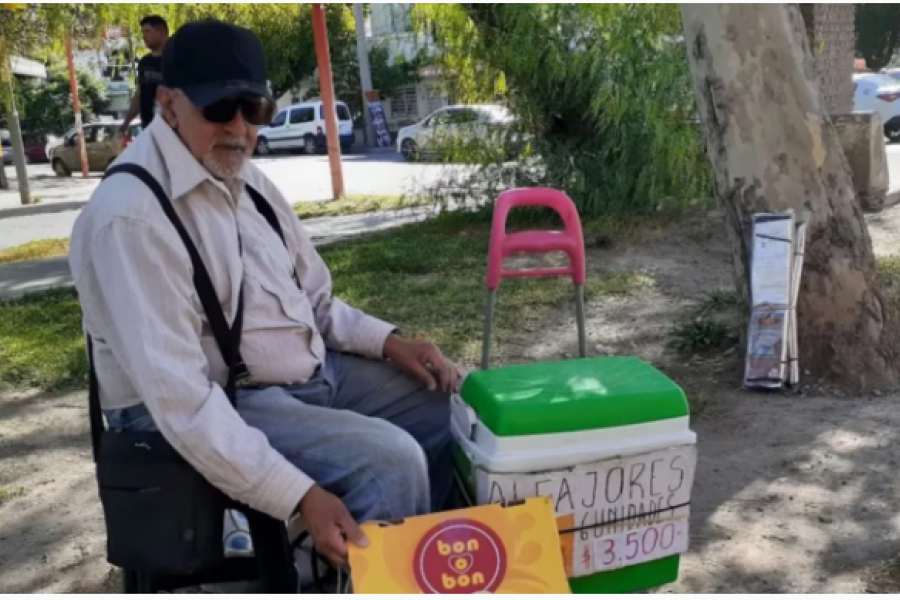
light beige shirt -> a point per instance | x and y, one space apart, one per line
152 343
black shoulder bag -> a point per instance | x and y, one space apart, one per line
161 515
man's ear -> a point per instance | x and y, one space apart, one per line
165 97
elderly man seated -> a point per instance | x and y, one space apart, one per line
342 420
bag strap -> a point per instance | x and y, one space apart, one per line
94 413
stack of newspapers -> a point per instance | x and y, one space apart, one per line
776 266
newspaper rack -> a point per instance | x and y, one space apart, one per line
772 360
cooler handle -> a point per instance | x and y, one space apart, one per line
570 241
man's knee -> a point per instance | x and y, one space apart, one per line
399 457
396 468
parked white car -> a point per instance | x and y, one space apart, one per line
302 127
880 94
456 124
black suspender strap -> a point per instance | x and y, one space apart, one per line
228 338
266 210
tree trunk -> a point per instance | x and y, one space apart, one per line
773 148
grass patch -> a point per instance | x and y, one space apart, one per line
429 279
889 270
703 334
35 250
721 300
713 324
426 278
41 342
7 493
354 204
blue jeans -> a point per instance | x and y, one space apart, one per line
363 430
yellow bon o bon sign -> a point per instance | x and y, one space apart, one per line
485 549
15 6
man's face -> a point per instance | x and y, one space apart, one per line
154 37
223 148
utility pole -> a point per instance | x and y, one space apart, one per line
76 107
365 75
326 85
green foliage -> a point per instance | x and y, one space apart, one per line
387 77
703 334
41 28
285 31
877 33
47 108
714 324
468 73
603 89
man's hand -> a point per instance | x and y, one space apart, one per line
330 525
423 360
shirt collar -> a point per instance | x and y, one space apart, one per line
185 172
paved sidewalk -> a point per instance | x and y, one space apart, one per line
300 178
18 279
49 193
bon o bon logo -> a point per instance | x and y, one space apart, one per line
460 557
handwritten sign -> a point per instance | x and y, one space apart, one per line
641 545
379 123
480 550
606 499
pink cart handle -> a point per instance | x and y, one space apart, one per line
570 241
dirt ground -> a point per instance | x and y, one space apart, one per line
793 492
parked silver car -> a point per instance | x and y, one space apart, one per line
452 129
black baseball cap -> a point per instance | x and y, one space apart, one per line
211 60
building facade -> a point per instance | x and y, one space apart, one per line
391 25
113 62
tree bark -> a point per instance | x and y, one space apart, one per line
773 148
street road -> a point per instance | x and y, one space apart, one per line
300 178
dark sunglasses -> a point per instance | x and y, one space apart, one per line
256 110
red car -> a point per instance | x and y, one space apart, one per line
35 148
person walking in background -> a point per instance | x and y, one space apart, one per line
155 31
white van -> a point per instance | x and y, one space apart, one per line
302 127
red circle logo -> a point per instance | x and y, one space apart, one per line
460 557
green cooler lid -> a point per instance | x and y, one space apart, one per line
572 395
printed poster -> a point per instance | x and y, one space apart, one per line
766 348
485 550
379 123
772 259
